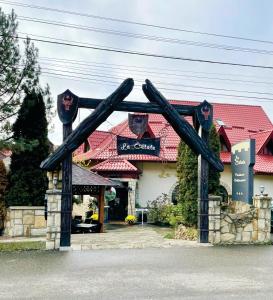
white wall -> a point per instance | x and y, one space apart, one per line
265 180
157 178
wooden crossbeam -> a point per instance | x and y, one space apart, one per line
142 107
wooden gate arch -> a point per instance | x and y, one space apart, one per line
195 137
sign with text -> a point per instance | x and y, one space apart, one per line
242 162
150 146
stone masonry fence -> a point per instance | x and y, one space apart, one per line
239 222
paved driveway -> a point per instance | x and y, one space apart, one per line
153 273
126 237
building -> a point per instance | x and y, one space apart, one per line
146 177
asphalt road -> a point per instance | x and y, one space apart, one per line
174 273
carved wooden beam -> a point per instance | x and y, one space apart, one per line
153 108
89 125
181 126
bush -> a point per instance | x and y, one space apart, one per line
159 210
163 212
176 216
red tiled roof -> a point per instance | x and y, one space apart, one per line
94 140
261 139
241 122
236 115
264 164
115 165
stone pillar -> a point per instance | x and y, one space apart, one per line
263 205
132 197
54 195
214 219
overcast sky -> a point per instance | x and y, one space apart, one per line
248 19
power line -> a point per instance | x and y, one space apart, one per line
150 54
163 83
62 76
146 37
101 66
129 67
135 23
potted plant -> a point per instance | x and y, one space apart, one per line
130 220
95 218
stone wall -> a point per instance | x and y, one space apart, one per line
54 195
53 232
28 221
239 222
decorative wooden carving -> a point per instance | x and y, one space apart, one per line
67 107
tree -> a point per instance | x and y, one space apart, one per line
187 179
3 185
27 182
19 74
187 165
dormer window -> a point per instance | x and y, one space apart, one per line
224 147
86 147
268 149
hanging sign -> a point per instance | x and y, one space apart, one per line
242 162
205 115
150 146
67 106
138 123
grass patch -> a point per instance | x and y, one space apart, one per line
22 246
169 235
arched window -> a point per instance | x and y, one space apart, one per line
175 194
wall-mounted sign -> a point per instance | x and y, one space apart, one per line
242 162
138 123
148 146
67 106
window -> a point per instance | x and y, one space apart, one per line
175 194
224 147
86 146
268 149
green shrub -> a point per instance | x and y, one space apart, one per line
159 210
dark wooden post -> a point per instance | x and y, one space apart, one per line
66 204
203 201
101 207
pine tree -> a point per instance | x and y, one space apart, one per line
3 185
187 165
19 74
27 182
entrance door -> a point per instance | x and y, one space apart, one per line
118 208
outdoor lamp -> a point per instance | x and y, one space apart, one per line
262 189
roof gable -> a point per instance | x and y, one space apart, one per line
262 139
115 165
